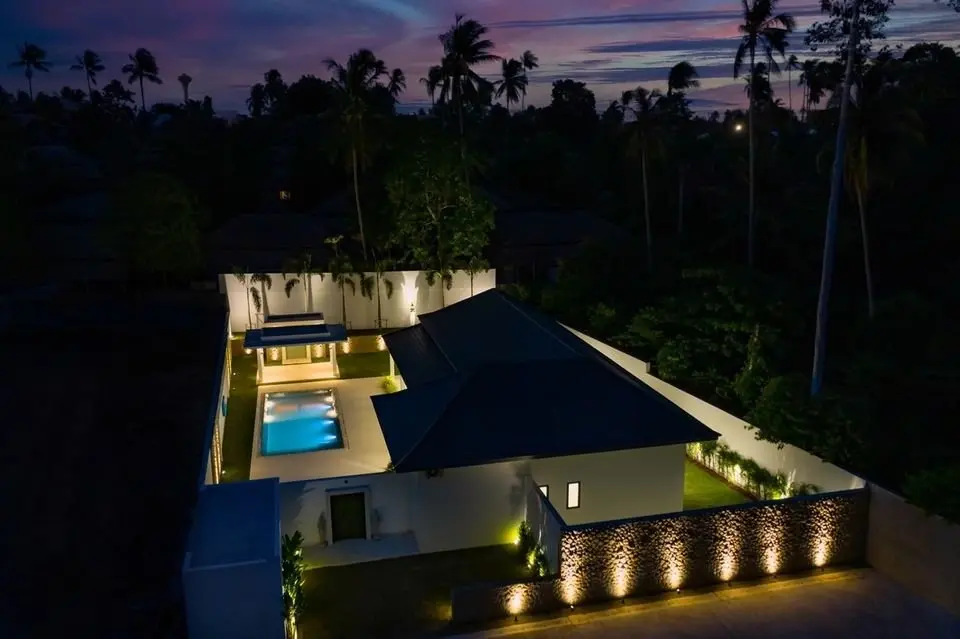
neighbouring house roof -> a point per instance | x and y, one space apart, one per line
490 379
110 409
234 523
270 336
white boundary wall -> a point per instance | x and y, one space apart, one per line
410 291
734 431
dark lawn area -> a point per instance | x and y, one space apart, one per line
241 413
354 365
703 489
406 597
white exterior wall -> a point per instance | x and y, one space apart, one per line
615 485
735 432
468 507
409 288
545 524
302 503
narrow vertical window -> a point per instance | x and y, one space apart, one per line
573 495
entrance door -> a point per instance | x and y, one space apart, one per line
296 354
348 516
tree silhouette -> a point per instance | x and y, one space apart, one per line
30 58
90 63
767 31
142 66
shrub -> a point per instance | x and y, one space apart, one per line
525 541
291 568
389 385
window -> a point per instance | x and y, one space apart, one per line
284 195
545 490
573 495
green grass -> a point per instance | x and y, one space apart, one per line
702 489
354 365
408 597
241 413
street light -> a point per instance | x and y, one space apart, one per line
738 127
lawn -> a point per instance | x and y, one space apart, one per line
354 365
241 413
703 489
406 597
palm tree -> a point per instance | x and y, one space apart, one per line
341 269
473 266
682 76
792 63
257 102
808 69
31 58
465 45
761 28
432 82
303 270
530 62
397 83
380 267
185 81
643 105
142 66
241 275
353 84
265 282
830 236
513 81
90 63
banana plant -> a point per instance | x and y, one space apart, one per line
303 271
445 276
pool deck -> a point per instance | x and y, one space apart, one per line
364 450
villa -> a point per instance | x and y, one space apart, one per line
494 398
491 415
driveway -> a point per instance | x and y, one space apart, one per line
841 605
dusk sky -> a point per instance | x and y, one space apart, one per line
226 45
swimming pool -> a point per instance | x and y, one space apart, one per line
299 422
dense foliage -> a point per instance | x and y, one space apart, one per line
716 274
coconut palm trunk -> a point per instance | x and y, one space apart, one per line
143 99
680 204
868 275
379 305
646 204
750 209
356 198
30 83
89 88
830 237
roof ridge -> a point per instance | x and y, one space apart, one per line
446 407
537 324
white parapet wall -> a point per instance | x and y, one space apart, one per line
736 433
407 295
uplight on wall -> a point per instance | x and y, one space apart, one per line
274 354
346 346
318 350
381 345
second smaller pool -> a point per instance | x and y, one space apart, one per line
299 422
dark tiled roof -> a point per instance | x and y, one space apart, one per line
490 379
423 360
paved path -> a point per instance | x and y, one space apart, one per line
844 605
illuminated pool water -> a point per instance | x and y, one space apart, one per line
299 422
